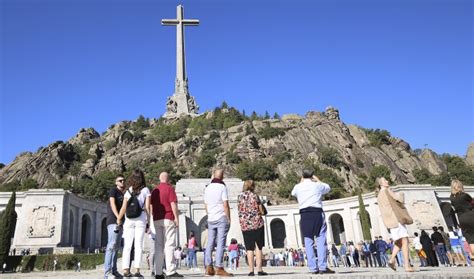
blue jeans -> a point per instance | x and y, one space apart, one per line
192 260
441 251
217 234
383 258
321 249
113 245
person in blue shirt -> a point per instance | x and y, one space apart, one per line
309 193
381 250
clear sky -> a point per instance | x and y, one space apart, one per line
405 66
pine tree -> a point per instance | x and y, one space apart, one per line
7 228
267 115
253 116
276 116
364 219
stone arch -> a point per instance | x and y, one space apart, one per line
103 233
202 230
71 228
86 231
337 226
278 232
449 214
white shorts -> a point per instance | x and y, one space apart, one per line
399 232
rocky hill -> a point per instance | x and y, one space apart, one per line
271 150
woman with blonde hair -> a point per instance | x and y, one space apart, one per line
395 217
462 203
251 223
135 208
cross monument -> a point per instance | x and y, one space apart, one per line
181 103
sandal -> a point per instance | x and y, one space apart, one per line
138 274
127 274
392 266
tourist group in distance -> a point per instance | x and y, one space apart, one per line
135 212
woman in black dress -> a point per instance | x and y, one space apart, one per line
428 248
462 203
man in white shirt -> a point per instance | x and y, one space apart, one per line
216 202
309 193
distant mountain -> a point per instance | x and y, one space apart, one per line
271 150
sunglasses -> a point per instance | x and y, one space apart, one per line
121 180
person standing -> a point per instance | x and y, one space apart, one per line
462 203
335 255
456 247
428 248
216 203
135 208
114 233
164 207
309 193
419 250
367 255
447 244
382 251
440 247
395 217
251 224
192 247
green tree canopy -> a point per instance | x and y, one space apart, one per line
7 228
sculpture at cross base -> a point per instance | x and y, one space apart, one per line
181 102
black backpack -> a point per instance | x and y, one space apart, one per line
134 210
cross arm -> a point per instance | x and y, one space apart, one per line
169 22
191 22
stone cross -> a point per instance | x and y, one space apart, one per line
181 102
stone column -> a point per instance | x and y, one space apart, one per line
78 234
182 232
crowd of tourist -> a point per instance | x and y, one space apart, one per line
135 211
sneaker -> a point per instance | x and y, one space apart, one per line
251 274
262 273
138 275
327 271
174 275
117 274
107 274
220 271
161 276
210 271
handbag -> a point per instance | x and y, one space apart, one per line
262 209
400 211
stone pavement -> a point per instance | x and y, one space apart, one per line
282 273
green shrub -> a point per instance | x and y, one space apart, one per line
46 262
377 137
286 184
164 132
254 142
201 172
232 158
375 172
206 160
271 132
259 170
282 157
330 157
222 118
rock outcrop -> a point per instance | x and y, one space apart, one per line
301 138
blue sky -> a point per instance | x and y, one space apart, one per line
405 66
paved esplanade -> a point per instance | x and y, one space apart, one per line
181 102
282 273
